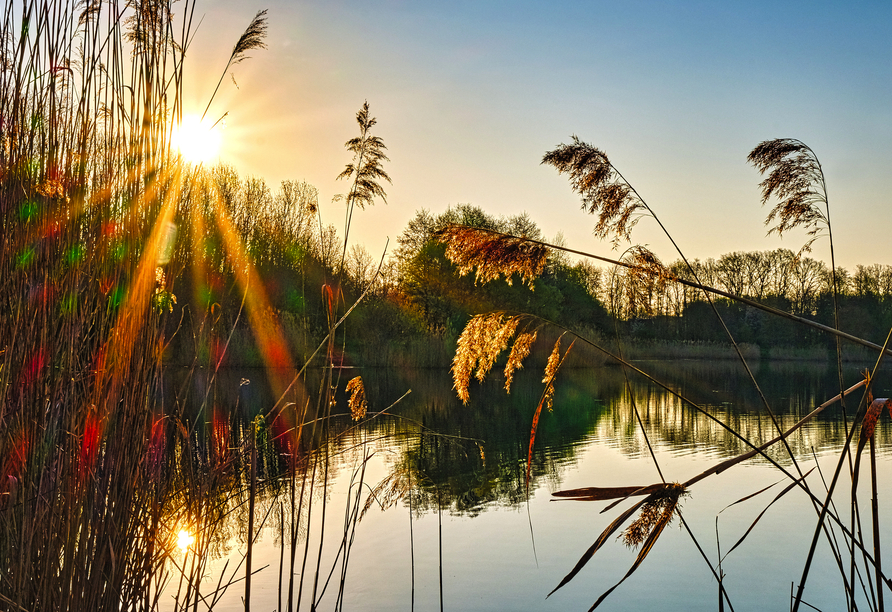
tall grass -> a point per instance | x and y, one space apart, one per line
86 104
116 255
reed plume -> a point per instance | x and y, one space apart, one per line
519 351
357 401
366 169
551 368
796 179
493 254
645 262
389 491
483 339
643 275
603 189
656 513
252 38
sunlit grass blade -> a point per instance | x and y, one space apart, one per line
657 510
588 554
605 493
664 519
750 496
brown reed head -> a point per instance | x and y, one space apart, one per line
603 190
493 254
656 513
796 179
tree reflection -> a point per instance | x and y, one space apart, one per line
466 458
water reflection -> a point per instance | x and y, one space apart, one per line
467 457
462 469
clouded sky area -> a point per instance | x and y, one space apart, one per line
469 96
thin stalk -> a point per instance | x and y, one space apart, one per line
874 506
411 544
440 542
251 500
824 508
281 551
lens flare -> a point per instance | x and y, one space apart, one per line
197 141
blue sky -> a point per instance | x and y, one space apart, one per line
470 95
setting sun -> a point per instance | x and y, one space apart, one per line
197 141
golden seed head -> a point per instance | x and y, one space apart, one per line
357 401
492 254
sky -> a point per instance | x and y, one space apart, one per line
470 95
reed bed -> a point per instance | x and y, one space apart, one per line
118 257
643 350
110 499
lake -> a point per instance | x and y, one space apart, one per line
463 534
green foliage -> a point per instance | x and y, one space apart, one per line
443 299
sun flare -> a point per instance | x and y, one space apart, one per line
197 141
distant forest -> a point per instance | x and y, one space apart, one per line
417 303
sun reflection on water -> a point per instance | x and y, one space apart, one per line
185 540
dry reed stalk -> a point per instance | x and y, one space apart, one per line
86 192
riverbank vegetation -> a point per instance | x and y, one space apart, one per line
796 179
121 259
115 249
420 301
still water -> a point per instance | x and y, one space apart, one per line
465 535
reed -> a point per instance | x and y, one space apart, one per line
108 498
797 179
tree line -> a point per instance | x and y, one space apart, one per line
418 293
